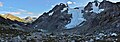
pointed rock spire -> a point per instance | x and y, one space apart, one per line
96 2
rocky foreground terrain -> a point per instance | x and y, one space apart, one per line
102 24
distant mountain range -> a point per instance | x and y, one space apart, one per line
15 18
12 17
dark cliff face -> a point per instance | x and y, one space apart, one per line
88 7
55 19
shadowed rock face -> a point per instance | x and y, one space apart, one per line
55 19
107 20
88 7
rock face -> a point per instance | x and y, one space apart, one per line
55 19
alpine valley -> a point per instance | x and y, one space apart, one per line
95 22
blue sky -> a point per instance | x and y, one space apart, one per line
23 8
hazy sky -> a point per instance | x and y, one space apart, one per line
23 8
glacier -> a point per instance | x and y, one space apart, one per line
77 17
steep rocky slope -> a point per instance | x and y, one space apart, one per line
55 19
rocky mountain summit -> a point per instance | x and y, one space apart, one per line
55 19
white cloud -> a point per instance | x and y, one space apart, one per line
25 11
8 12
69 2
1 4
29 13
22 10
14 12
72 4
114 1
53 6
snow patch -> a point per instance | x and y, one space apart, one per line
114 34
96 8
50 13
42 30
100 10
35 26
63 9
101 34
97 38
86 11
